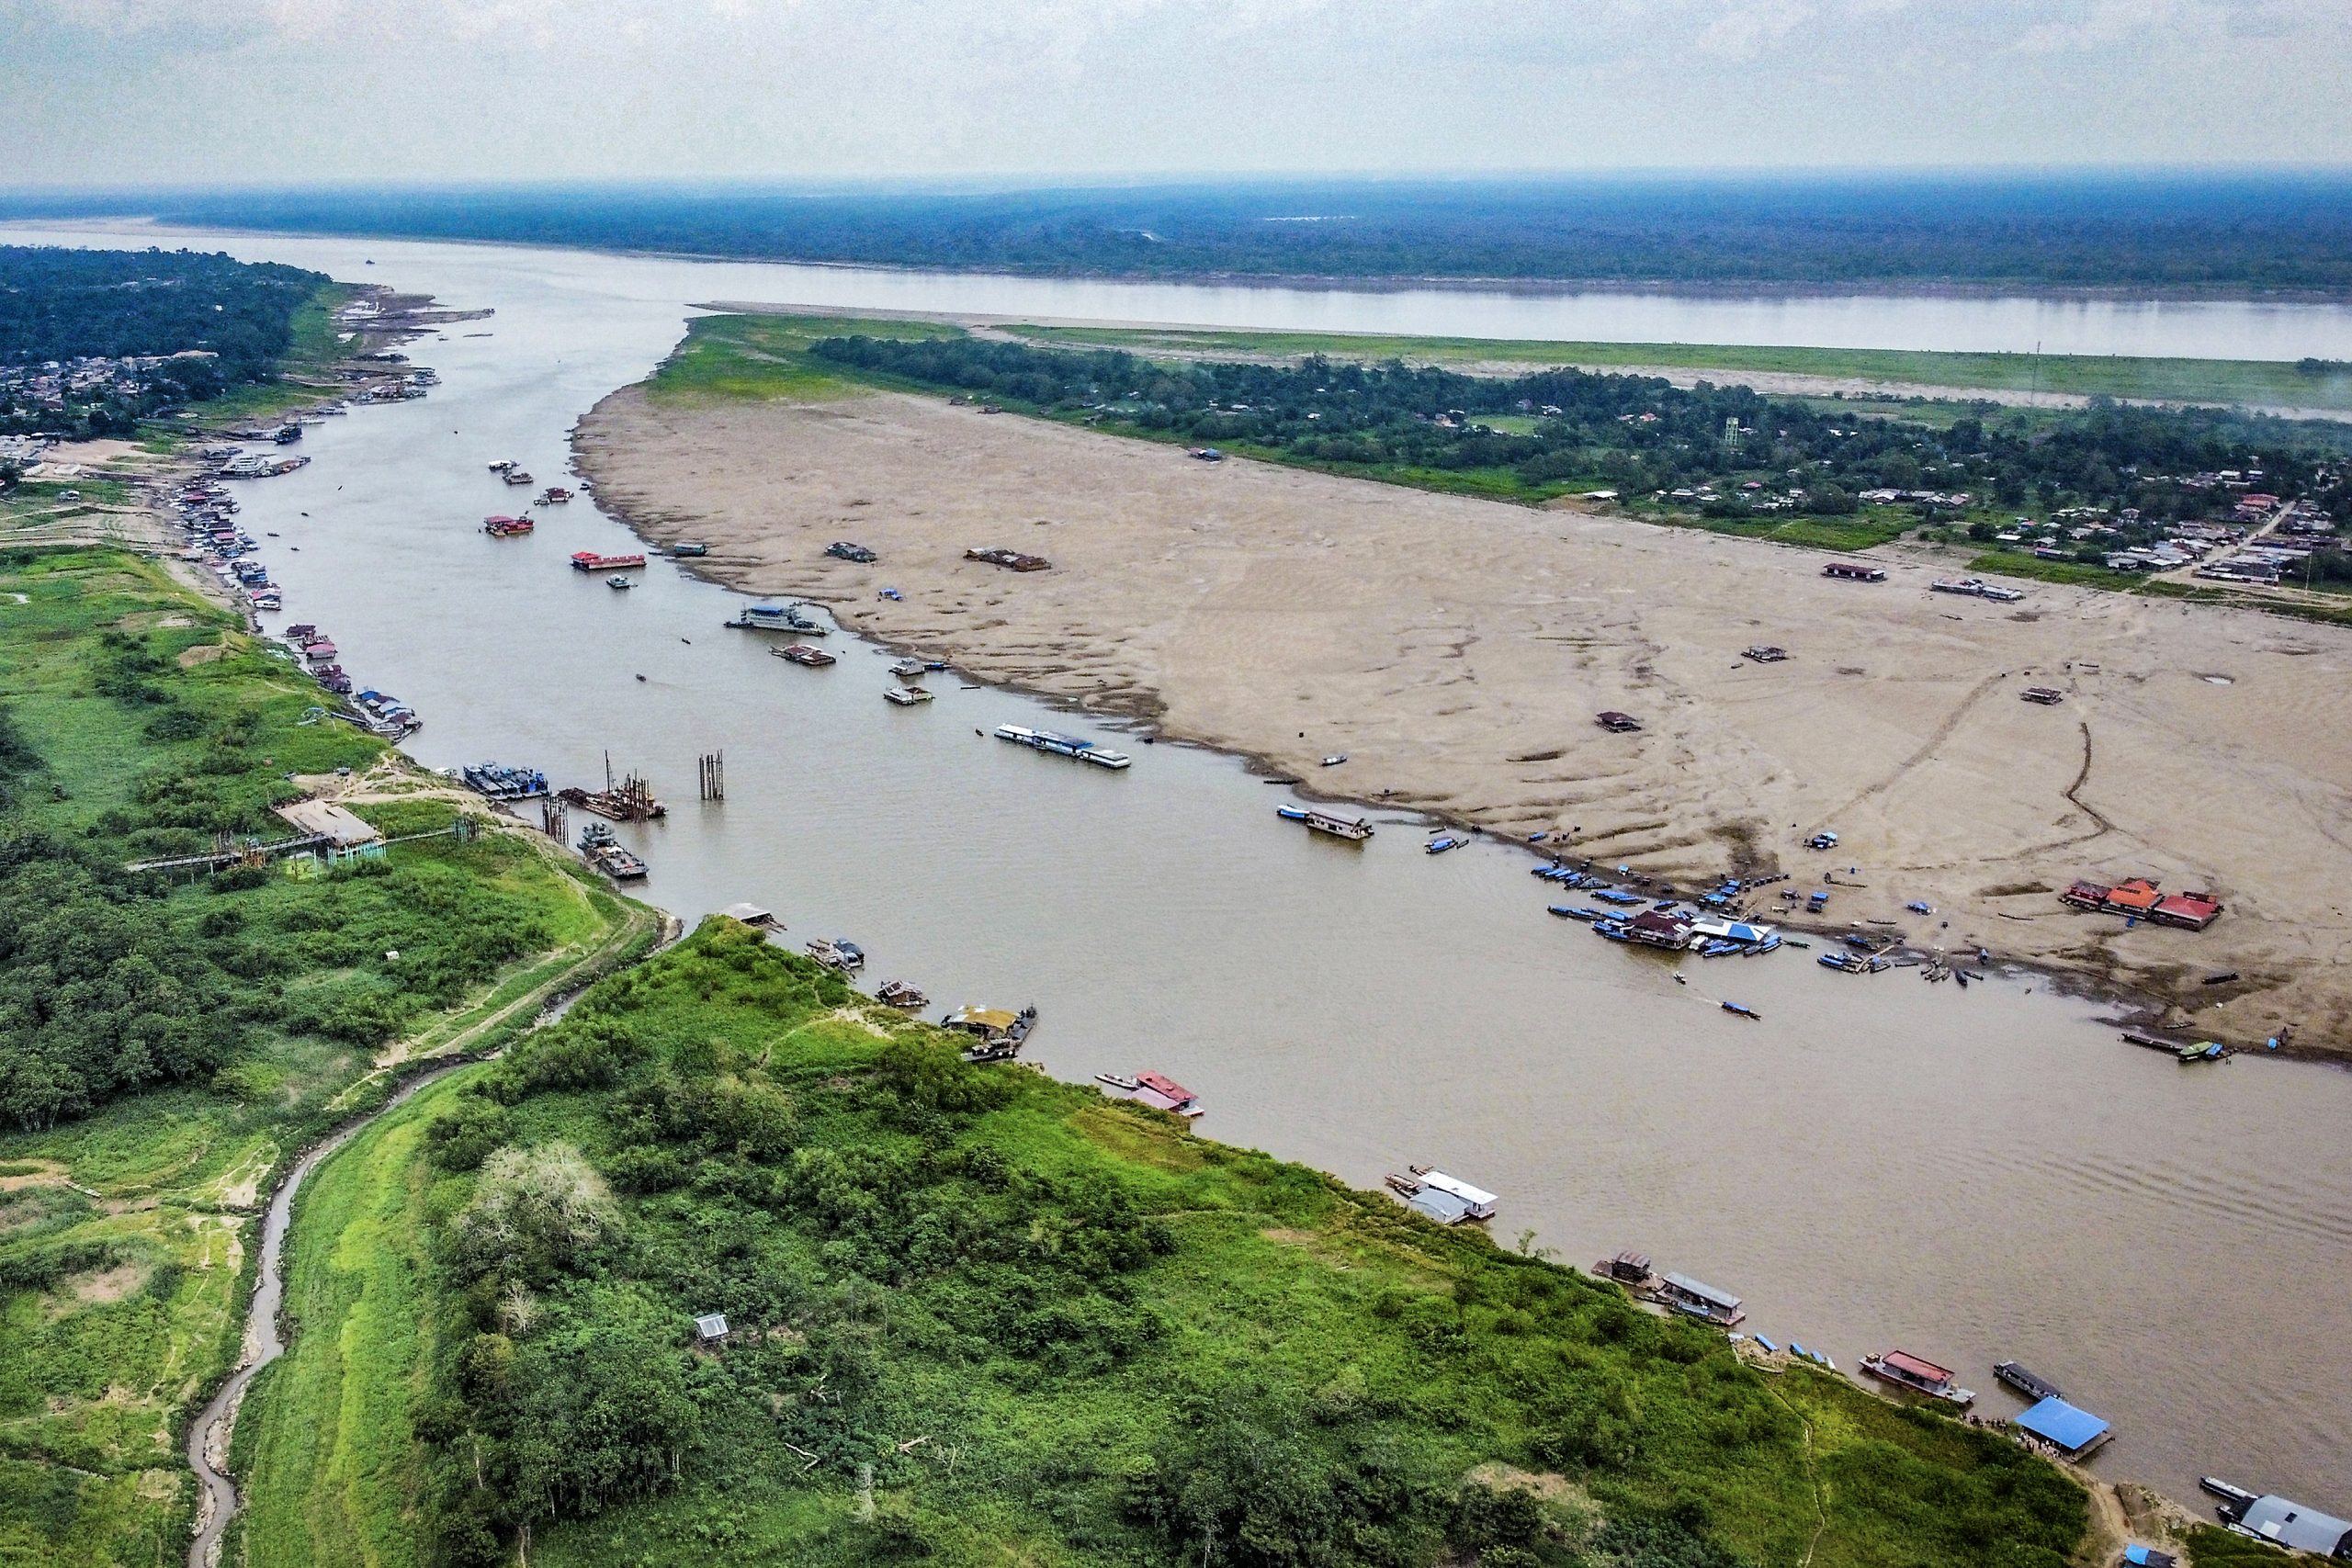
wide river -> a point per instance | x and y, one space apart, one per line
1970 1175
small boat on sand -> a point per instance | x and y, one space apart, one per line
1335 760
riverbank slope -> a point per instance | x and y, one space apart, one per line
1457 650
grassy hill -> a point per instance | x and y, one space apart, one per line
980 1316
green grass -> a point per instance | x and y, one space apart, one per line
2181 380
760 358
124 1307
924 1266
325 1442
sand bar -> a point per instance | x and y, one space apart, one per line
1457 650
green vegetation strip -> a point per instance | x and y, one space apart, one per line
2269 383
978 1316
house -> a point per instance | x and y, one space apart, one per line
2299 1529
323 818
1659 928
1163 1093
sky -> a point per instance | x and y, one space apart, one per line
109 92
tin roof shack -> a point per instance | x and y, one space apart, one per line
2072 1432
1164 1093
711 1328
1853 573
1617 723
331 822
1700 1299
1012 560
2291 1525
2135 896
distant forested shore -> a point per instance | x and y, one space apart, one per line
2204 233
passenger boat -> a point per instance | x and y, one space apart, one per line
504 527
589 560
1443 842
1905 1370
554 495
1063 746
906 696
801 653
838 953
617 581
1576 912
899 994
1353 830
2026 1382
779 618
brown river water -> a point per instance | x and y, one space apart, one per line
1969 1175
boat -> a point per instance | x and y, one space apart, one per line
1063 746
1335 760
609 856
554 495
589 560
801 653
503 527
616 581
689 550
1744 1010
501 782
2204 1051
1355 829
1155 1090
998 1034
515 477
1482 1202
1694 1298
1439 845
899 994
631 800
2227 1492
907 669
779 618
838 953
1441 1197
2026 1382
1576 912
501 465
906 696
1905 1370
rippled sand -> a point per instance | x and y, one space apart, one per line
1457 650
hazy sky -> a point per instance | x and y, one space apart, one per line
191 91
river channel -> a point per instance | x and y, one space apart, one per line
1969 1175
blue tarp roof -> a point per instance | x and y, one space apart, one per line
2062 1424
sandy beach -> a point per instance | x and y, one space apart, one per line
1457 650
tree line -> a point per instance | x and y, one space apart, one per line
1638 434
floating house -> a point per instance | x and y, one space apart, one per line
2290 1524
1851 571
2072 1432
1701 1301
1480 1203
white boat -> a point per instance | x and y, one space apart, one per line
906 696
1481 1203
1063 745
